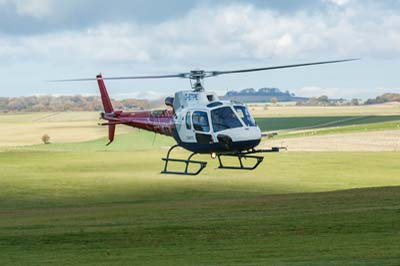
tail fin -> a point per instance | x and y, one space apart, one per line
108 108
104 95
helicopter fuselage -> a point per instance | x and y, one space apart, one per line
204 124
198 121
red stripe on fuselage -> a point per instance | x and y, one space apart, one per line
160 122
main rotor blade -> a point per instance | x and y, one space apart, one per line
216 73
182 75
201 74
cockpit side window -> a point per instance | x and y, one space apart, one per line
200 121
245 115
188 121
224 118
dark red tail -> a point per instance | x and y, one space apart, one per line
104 95
107 106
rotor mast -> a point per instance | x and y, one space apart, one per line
198 77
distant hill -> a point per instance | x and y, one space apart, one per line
262 95
385 98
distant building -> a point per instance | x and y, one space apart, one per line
262 95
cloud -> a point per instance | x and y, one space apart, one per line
34 8
338 2
30 8
147 95
314 91
223 33
210 35
22 17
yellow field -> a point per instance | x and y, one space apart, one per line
28 128
374 141
259 110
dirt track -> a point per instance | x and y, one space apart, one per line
388 140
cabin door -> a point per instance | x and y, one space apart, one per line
201 127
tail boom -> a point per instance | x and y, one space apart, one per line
160 122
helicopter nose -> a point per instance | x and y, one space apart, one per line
253 132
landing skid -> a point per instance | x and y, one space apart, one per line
186 162
201 165
245 155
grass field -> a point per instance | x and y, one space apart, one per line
113 208
313 131
259 110
78 202
315 122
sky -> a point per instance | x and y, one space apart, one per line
42 40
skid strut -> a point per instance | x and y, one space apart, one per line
241 166
186 162
245 155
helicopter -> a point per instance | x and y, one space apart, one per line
198 121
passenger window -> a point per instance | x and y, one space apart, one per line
188 121
200 121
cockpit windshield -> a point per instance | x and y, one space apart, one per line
245 115
224 118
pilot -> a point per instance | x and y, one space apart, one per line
203 123
230 118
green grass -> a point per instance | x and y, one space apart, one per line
114 208
341 130
295 229
292 123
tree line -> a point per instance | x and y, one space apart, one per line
49 103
